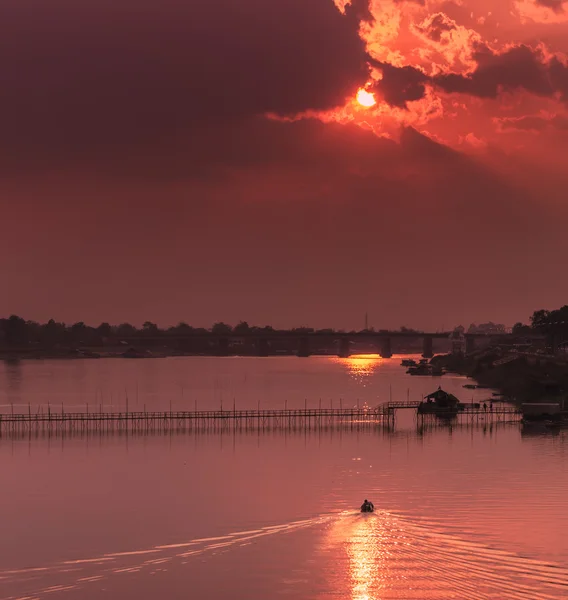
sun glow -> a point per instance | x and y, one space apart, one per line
365 98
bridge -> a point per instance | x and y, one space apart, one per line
305 343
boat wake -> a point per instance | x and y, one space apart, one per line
377 555
43 580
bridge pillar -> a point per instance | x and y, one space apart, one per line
385 347
344 350
262 347
427 347
223 347
304 347
469 344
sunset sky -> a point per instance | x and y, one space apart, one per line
201 161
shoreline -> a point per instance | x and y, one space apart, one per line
518 378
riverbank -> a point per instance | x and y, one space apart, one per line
518 377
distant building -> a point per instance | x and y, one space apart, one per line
457 338
489 328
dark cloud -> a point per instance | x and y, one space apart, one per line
558 72
98 76
518 68
360 10
400 85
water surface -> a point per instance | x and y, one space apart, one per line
462 512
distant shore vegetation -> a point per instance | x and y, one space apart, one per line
16 331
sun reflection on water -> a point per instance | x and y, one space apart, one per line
367 559
365 545
361 366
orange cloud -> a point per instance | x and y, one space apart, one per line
455 43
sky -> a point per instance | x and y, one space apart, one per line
177 160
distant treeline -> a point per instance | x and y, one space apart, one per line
16 331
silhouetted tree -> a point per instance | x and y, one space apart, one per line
552 323
53 333
540 319
149 327
104 330
242 327
33 331
15 331
81 334
125 330
221 329
521 329
181 328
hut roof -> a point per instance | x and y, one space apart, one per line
440 394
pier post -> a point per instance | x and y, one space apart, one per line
304 347
469 344
344 351
427 347
385 347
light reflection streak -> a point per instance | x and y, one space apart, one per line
361 366
368 553
364 541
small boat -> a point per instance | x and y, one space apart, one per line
426 370
367 507
470 386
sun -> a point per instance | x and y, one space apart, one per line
365 98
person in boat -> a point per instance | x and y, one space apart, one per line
367 506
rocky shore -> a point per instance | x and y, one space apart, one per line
519 377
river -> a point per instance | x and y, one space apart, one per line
461 512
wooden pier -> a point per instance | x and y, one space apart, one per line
187 421
468 412
62 422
